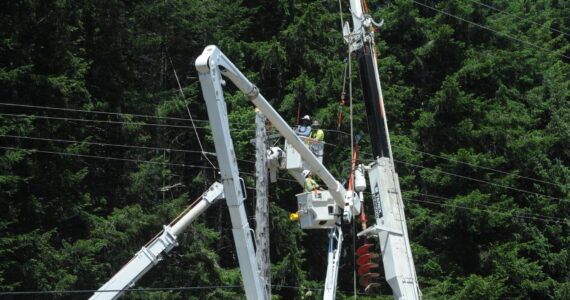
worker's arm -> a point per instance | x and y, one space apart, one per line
304 130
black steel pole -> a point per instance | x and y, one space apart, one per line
374 108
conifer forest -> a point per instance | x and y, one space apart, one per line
105 138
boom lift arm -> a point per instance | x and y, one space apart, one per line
151 255
211 65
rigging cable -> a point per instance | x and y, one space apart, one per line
189 114
351 154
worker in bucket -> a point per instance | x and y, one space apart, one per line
316 139
304 129
310 183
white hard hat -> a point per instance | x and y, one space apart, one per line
306 117
306 173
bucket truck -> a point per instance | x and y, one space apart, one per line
317 210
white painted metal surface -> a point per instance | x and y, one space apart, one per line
317 210
151 255
392 231
208 65
335 247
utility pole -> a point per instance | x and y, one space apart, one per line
261 207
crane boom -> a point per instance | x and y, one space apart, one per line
150 255
390 228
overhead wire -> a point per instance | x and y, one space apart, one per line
480 167
482 181
519 17
490 29
452 160
107 121
471 178
107 158
102 144
498 208
133 160
186 288
116 145
491 211
92 111
94 121
124 115
182 288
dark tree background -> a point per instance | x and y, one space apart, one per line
75 207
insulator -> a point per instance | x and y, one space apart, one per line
359 179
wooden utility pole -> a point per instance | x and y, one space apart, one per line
261 207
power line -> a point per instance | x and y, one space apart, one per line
134 160
562 220
519 17
186 288
466 163
481 181
108 158
488 211
478 166
125 115
95 121
93 111
491 29
456 161
108 121
105 144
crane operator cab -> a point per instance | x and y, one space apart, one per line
316 210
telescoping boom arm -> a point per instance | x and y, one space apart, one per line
151 255
390 228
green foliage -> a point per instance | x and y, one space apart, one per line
454 92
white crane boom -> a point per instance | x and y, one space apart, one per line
333 260
390 228
151 255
